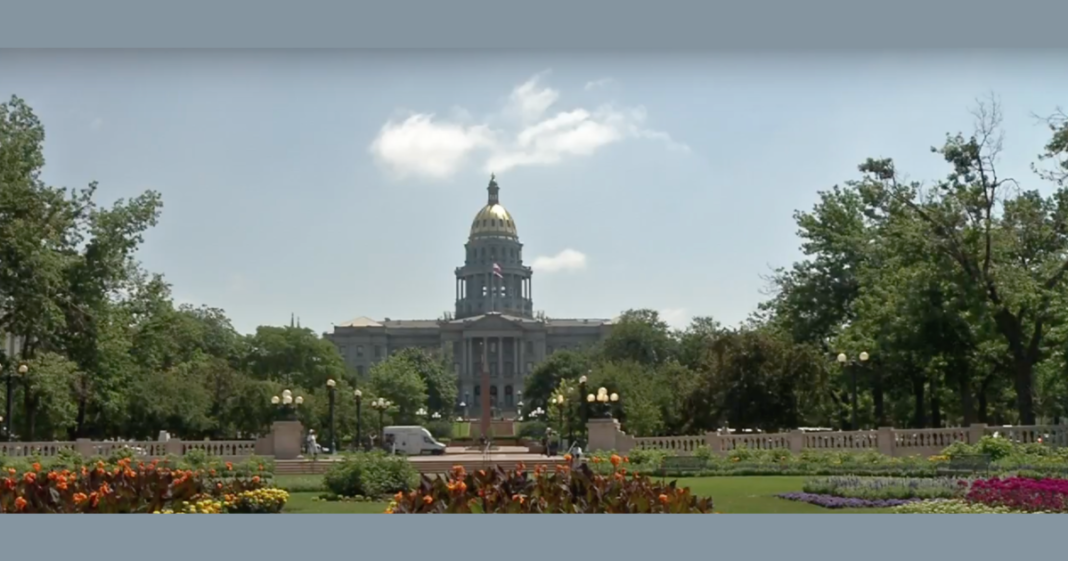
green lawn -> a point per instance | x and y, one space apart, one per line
730 494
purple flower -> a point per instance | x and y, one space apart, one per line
830 501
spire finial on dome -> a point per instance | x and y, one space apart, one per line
493 190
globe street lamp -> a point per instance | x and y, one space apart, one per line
287 404
561 404
519 409
10 377
463 407
359 418
380 405
607 401
331 390
851 366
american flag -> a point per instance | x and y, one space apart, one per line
497 271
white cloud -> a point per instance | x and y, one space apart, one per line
96 123
676 318
530 133
593 85
566 260
422 147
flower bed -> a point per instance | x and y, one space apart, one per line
560 490
1021 494
882 488
125 487
951 506
833 502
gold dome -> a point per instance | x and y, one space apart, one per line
493 219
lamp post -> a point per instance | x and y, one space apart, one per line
380 405
852 367
331 390
561 405
463 407
519 410
287 404
10 377
359 419
584 406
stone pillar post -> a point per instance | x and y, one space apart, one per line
287 437
796 440
885 439
603 433
975 432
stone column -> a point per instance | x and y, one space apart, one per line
500 360
885 440
603 434
287 437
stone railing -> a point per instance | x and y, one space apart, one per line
283 443
605 434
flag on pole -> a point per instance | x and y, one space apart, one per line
497 271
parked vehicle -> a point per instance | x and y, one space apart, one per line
412 441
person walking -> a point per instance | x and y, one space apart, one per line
313 446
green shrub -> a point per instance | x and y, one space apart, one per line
370 474
533 430
440 429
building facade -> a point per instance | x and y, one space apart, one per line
493 325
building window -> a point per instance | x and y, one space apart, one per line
378 351
456 368
493 396
359 350
493 370
493 346
530 347
359 370
508 370
508 397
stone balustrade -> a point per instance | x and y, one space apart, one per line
284 442
605 434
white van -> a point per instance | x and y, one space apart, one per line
413 441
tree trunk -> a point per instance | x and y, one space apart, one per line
967 402
1023 370
919 419
879 398
936 403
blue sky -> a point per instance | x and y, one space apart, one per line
334 185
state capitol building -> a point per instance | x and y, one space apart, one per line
494 312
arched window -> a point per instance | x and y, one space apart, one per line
508 397
493 396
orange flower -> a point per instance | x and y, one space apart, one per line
62 485
520 466
94 499
428 499
626 459
567 457
218 486
616 460
104 489
255 479
596 460
11 471
80 498
29 477
482 492
482 473
399 496
211 471
663 499
20 503
36 466
9 483
52 476
229 466
461 486
519 499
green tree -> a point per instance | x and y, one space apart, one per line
397 380
550 373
